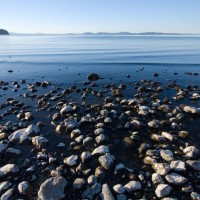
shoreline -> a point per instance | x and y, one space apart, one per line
98 134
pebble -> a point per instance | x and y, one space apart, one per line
132 186
175 179
162 190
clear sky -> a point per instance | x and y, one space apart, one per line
77 16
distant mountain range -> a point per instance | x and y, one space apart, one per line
105 33
3 32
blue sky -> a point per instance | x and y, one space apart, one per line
77 16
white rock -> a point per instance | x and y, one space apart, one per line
66 109
156 179
8 169
167 155
20 136
132 186
71 161
178 166
85 156
100 138
191 151
106 161
119 189
39 142
24 188
101 150
161 168
78 183
167 135
162 190
92 180
175 179
99 131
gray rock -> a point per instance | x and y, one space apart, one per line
106 193
92 180
66 109
156 179
96 188
40 142
20 136
78 183
175 179
162 190
194 164
8 170
167 155
3 147
106 161
5 186
119 188
8 194
52 189
71 161
178 166
101 150
99 131
11 152
161 168
25 188
132 186
121 197
195 196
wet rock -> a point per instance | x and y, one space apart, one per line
175 179
52 189
40 142
178 166
8 169
25 188
119 188
167 155
100 150
106 161
133 186
93 77
66 109
106 193
162 190
157 179
161 168
71 161
194 164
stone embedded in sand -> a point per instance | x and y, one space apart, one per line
175 179
71 161
93 77
162 190
8 169
132 186
52 189
178 166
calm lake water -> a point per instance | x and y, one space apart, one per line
58 57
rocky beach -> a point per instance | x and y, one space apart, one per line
132 136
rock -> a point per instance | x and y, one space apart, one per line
167 155
175 179
100 150
96 188
178 166
5 186
195 196
85 156
161 168
152 152
191 109
8 194
8 170
71 161
99 131
11 152
183 134
128 142
194 164
4 32
99 139
156 179
167 135
25 188
3 147
106 194
93 77
52 189
20 136
119 189
149 160
78 183
92 180
132 186
116 93
106 161
66 109
162 190
158 138
40 142
154 124
121 197
191 151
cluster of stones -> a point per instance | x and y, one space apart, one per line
146 128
